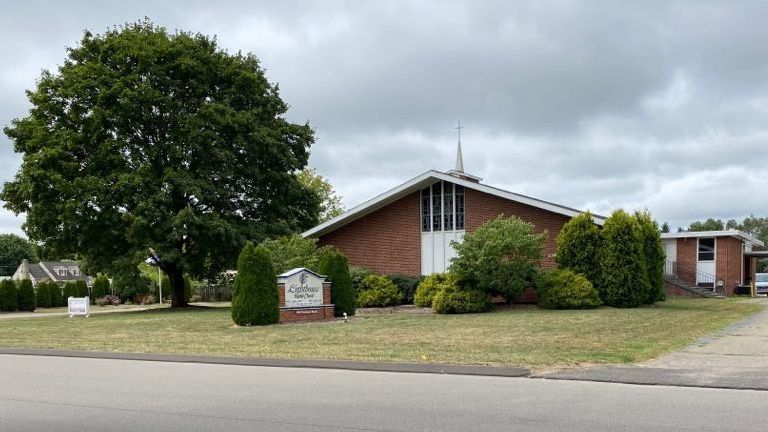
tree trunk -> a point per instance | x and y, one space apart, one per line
177 288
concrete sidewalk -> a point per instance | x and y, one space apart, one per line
736 357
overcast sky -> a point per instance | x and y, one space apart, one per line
595 105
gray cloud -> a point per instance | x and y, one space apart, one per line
592 104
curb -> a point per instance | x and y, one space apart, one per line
446 369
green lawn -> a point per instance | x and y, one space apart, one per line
518 336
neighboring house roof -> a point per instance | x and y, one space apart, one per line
37 272
63 270
724 233
426 179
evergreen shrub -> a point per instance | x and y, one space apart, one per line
57 297
564 289
406 285
578 247
43 295
653 251
334 265
26 296
430 286
452 300
378 291
358 275
70 290
9 301
255 298
624 277
100 287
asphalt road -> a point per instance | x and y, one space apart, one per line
77 394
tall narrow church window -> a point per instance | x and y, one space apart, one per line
437 207
459 207
426 218
448 206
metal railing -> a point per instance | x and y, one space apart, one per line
694 277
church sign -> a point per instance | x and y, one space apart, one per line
304 296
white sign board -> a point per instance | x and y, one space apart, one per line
303 289
79 306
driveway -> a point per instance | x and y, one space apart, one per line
736 357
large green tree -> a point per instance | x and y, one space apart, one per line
330 201
708 225
146 142
13 249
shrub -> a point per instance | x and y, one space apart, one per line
9 301
82 288
70 290
108 300
26 296
100 287
57 298
564 289
500 258
452 300
378 291
624 276
430 286
406 285
578 247
255 298
43 295
358 275
290 252
655 259
334 265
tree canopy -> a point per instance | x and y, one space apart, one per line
146 141
330 202
13 249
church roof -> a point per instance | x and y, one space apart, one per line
426 179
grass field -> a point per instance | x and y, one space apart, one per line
517 336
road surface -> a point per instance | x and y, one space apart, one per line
78 394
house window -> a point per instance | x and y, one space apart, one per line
60 271
706 249
425 214
437 207
74 271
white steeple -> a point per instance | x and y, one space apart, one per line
459 159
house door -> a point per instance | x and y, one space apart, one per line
705 261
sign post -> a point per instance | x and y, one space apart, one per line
79 306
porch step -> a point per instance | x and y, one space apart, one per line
692 288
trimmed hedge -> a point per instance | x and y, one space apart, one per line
406 285
564 289
255 298
43 295
9 297
430 286
452 300
334 265
378 291
26 296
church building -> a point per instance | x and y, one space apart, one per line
408 229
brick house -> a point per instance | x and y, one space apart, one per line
709 262
408 229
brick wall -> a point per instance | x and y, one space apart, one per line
687 252
729 261
387 241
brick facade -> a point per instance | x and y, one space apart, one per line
305 314
728 259
387 241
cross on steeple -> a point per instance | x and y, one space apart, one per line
459 158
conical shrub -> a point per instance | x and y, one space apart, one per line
70 290
653 251
334 265
100 287
26 296
578 247
57 297
255 298
43 295
624 277
9 301
82 288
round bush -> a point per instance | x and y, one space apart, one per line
451 300
430 286
378 291
564 289
406 285
26 296
358 275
